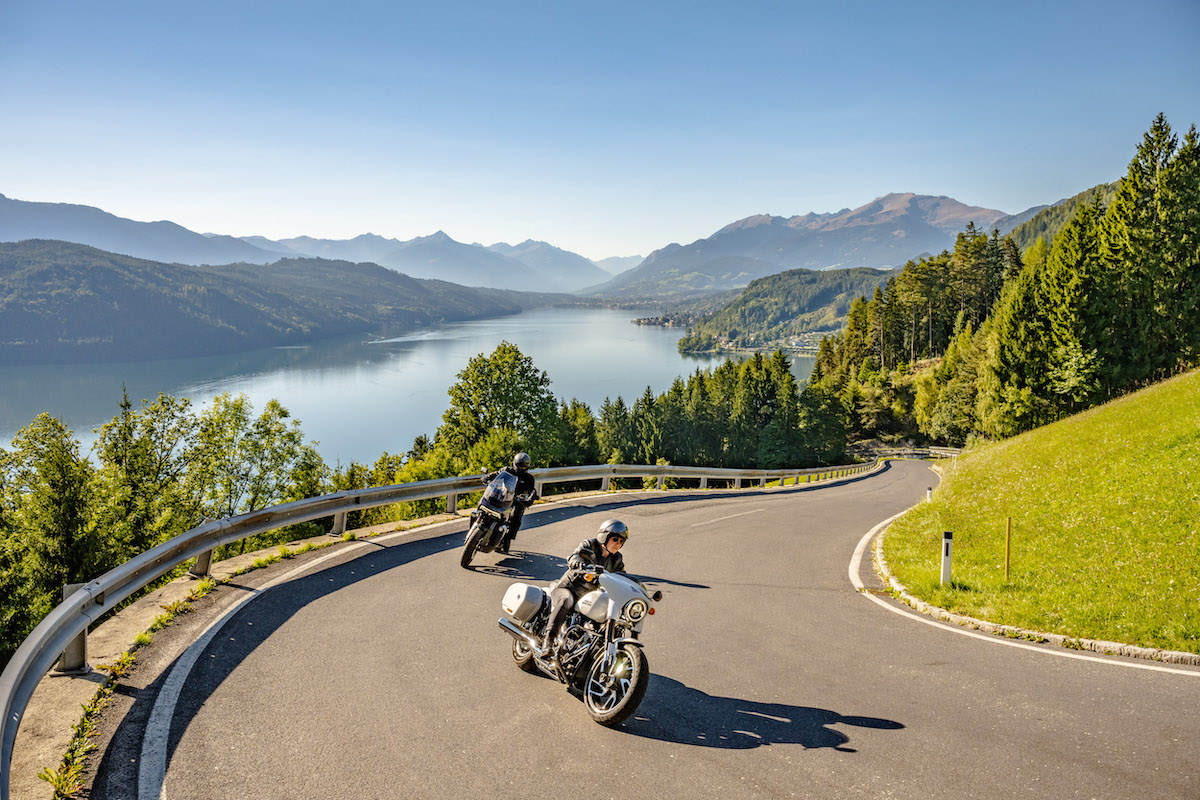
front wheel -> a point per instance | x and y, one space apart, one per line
612 695
473 538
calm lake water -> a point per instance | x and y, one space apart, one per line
358 399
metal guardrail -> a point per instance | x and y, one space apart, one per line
70 620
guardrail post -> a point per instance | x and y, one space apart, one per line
737 483
74 657
339 524
452 503
947 540
762 483
704 482
605 483
662 481
202 565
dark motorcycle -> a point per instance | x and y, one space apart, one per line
490 519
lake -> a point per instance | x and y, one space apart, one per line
358 399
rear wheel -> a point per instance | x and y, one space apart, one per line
473 538
613 694
523 654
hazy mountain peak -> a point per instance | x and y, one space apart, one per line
885 232
748 223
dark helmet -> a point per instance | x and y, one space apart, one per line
521 461
613 528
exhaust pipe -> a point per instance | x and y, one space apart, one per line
512 630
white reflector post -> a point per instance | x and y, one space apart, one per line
947 539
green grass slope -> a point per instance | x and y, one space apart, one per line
1105 511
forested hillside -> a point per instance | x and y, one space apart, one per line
775 310
1050 220
989 341
66 303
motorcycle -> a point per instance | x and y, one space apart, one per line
599 654
489 520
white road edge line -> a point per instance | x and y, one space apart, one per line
722 519
152 769
856 566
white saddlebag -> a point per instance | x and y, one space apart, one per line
522 600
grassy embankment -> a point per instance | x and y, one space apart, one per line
1105 511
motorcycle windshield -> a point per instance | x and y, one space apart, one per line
501 491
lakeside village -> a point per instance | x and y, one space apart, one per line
807 343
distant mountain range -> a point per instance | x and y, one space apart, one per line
618 264
69 303
886 232
529 266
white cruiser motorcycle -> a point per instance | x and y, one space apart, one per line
599 654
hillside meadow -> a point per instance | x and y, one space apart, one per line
1105 509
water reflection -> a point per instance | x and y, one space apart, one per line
359 398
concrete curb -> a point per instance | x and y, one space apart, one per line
1012 632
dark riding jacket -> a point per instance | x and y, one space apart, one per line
525 484
589 553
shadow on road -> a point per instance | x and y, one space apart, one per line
533 567
673 712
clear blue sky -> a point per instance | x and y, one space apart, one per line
604 128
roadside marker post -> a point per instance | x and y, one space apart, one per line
947 540
1007 546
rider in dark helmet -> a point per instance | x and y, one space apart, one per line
525 487
604 551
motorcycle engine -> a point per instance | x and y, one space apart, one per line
576 641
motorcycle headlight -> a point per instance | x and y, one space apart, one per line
635 610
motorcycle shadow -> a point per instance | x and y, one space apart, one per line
674 712
534 567
523 565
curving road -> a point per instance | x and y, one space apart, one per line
378 671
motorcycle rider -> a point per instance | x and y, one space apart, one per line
605 551
525 486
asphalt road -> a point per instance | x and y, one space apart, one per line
378 671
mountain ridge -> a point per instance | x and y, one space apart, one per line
170 243
886 232
62 302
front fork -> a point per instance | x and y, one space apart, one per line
610 646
